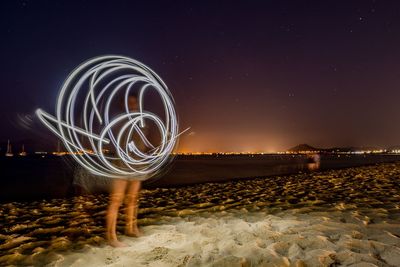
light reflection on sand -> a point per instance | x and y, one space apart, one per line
300 237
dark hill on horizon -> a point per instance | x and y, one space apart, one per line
307 147
303 147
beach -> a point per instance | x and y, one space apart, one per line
343 217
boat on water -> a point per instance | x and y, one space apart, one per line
9 150
23 152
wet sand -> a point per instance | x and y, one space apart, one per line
347 217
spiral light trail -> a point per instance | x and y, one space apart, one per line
84 123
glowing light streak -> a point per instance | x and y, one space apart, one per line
98 82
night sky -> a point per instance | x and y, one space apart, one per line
245 75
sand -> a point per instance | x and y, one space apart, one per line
348 217
238 238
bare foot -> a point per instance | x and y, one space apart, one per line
135 232
117 244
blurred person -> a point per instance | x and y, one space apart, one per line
127 191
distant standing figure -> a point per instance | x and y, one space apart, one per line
314 161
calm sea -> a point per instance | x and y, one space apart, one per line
26 178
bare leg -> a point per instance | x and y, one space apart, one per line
132 205
116 198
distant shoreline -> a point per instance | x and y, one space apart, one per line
55 177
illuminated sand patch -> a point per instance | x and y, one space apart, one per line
239 238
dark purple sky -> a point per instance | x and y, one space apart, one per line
246 75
